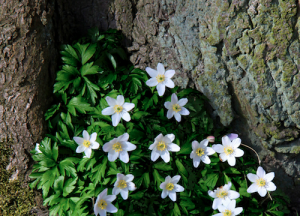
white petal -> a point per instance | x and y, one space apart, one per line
173 147
238 152
262 191
94 145
271 186
238 210
126 116
210 151
170 113
174 98
128 106
231 205
120 100
110 198
116 191
152 82
226 141
169 73
154 155
80 149
192 155
129 178
269 177
252 177
124 156
93 137
260 172
177 117
168 105
178 188
159 137
221 208
111 101
171 137
88 152
164 193
124 193
212 194
163 185
111 208
227 186
184 111
102 194
123 137
131 186
205 159
175 179
160 68
102 212
161 89
236 142
204 143
253 188
115 119
169 83
108 111
195 145
172 195
196 161
85 135
78 140
129 146
218 148
219 214
151 72
216 203
231 160
107 146
233 195
165 156
112 155
96 209
223 157
153 145
182 102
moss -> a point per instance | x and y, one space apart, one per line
295 149
14 199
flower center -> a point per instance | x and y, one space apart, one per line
160 78
261 182
118 108
102 204
200 152
117 147
122 184
222 194
161 146
86 143
170 186
176 108
228 150
227 213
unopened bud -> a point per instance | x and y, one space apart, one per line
232 136
211 139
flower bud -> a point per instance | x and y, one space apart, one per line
211 139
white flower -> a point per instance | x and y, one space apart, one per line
37 148
222 195
170 187
87 143
161 147
176 108
118 109
123 185
160 78
261 182
229 150
103 204
200 152
119 147
228 209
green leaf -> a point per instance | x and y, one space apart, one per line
50 112
55 152
146 179
139 114
211 180
187 203
232 170
69 186
80 104
112 60
138 195
278 213
71 51
87 54
176 210
58 184
162 166
67 167
89 69
181 168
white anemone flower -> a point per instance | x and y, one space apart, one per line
170 187
118 109
161 147
160 78
119 147
223 195
261 182
103 204
229 209
200 152
123 185
229 150
175 107
87 143
37 148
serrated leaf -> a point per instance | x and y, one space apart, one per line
71 51
80 104
58 184
87 54
139 114
50 112
176 210
66 166
162 166
138 195
89 69
69 186
181 168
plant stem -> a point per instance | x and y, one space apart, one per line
259 161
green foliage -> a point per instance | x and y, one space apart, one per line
97 67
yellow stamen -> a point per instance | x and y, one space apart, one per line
161 146
160 78
102 204
260 182
117 147
176 108
228 150
86 143
170 186
227 213
122 184
118 108
200 152
222 194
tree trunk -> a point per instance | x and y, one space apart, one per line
242 54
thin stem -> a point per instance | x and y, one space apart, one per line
259 161
93 201
270 196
